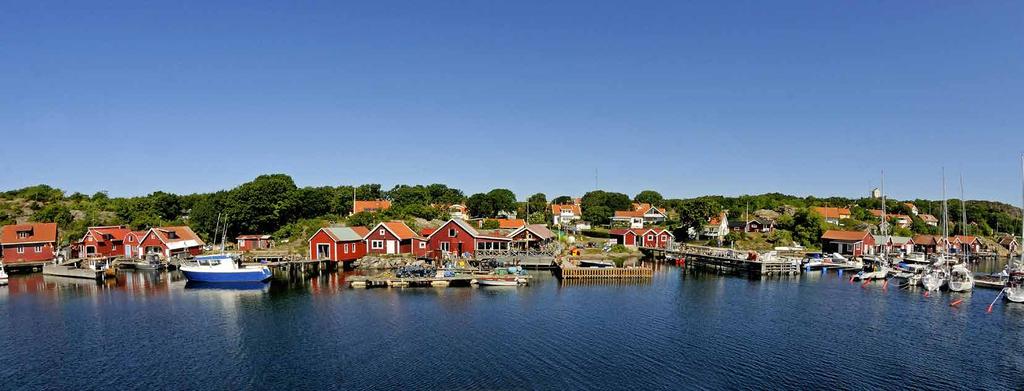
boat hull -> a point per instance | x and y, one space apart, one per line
497 282
254 275
1014 295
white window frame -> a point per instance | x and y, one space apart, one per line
39 249
377 244
446 246
381 232
346 248
21 249
452 233
328 252
423 244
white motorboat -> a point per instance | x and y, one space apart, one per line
3 275
961 279
503 281
881 273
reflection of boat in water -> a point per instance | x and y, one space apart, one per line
228 286
222 268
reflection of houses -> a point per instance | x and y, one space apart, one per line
832 215
641 214
929 219
887 244
27 244
717 226
254 242
456 237
854 243
104 242
565 214
371 206
533 236
649 238
339 244
170 241
928 244
395 237
1009 242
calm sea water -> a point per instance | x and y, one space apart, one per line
149 330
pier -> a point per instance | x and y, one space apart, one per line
733 261
389 280
570 271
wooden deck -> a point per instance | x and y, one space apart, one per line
389 280
734 261
570 271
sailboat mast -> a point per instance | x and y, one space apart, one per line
885 223
1022 207
945 213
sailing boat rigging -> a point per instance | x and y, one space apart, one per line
1014 290
961 279
935 279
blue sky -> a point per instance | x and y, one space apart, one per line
689 99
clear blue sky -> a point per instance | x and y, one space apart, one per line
749 97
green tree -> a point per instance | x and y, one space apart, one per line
561 200
491 224
54 213
599 206
808 227
364 219
254 207
650 197
502 200
480 205
693 214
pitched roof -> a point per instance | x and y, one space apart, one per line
928 218
539 230
832 212
639 231
966 238
716 220
361 206
644 207
345 234
114 233
398 228
575 209
38 233
1006 240
845 236
628 213
896 240
252 237
511 223
469 229
927 240
184 237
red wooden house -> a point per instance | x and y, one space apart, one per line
103 242
339 244
131 242
854 243
533 236
395 237
254 242
28 244
965 244
456 238
649 237
169 241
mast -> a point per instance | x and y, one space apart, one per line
1022 207
945 213
963 212
885 224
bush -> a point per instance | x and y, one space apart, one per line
491 224
596 234
618 248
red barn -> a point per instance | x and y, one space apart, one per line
169 241
131 241
456 238
854 243
395 237
339 244
649 238
254 242
103 242
28 244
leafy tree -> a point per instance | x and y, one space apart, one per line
480 205
254 207
444 195
561 200
491 224
54 213
539 217
808 226
693 214
165 205
409 195
650 197
502 200
538 202
599 206
364 219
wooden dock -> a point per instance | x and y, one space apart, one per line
389 280
736 262
72 271
570 271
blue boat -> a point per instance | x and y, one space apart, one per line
221 269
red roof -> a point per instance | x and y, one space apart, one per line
832 213
638 231
968 239
557 209
115 233
426 232
180 233
252 237
361 206
37 233
845 236
629 213
399 228
511 223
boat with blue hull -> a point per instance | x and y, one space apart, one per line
222 269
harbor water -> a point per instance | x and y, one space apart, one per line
675 331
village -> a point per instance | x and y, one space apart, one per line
467 240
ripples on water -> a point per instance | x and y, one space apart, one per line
152 330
